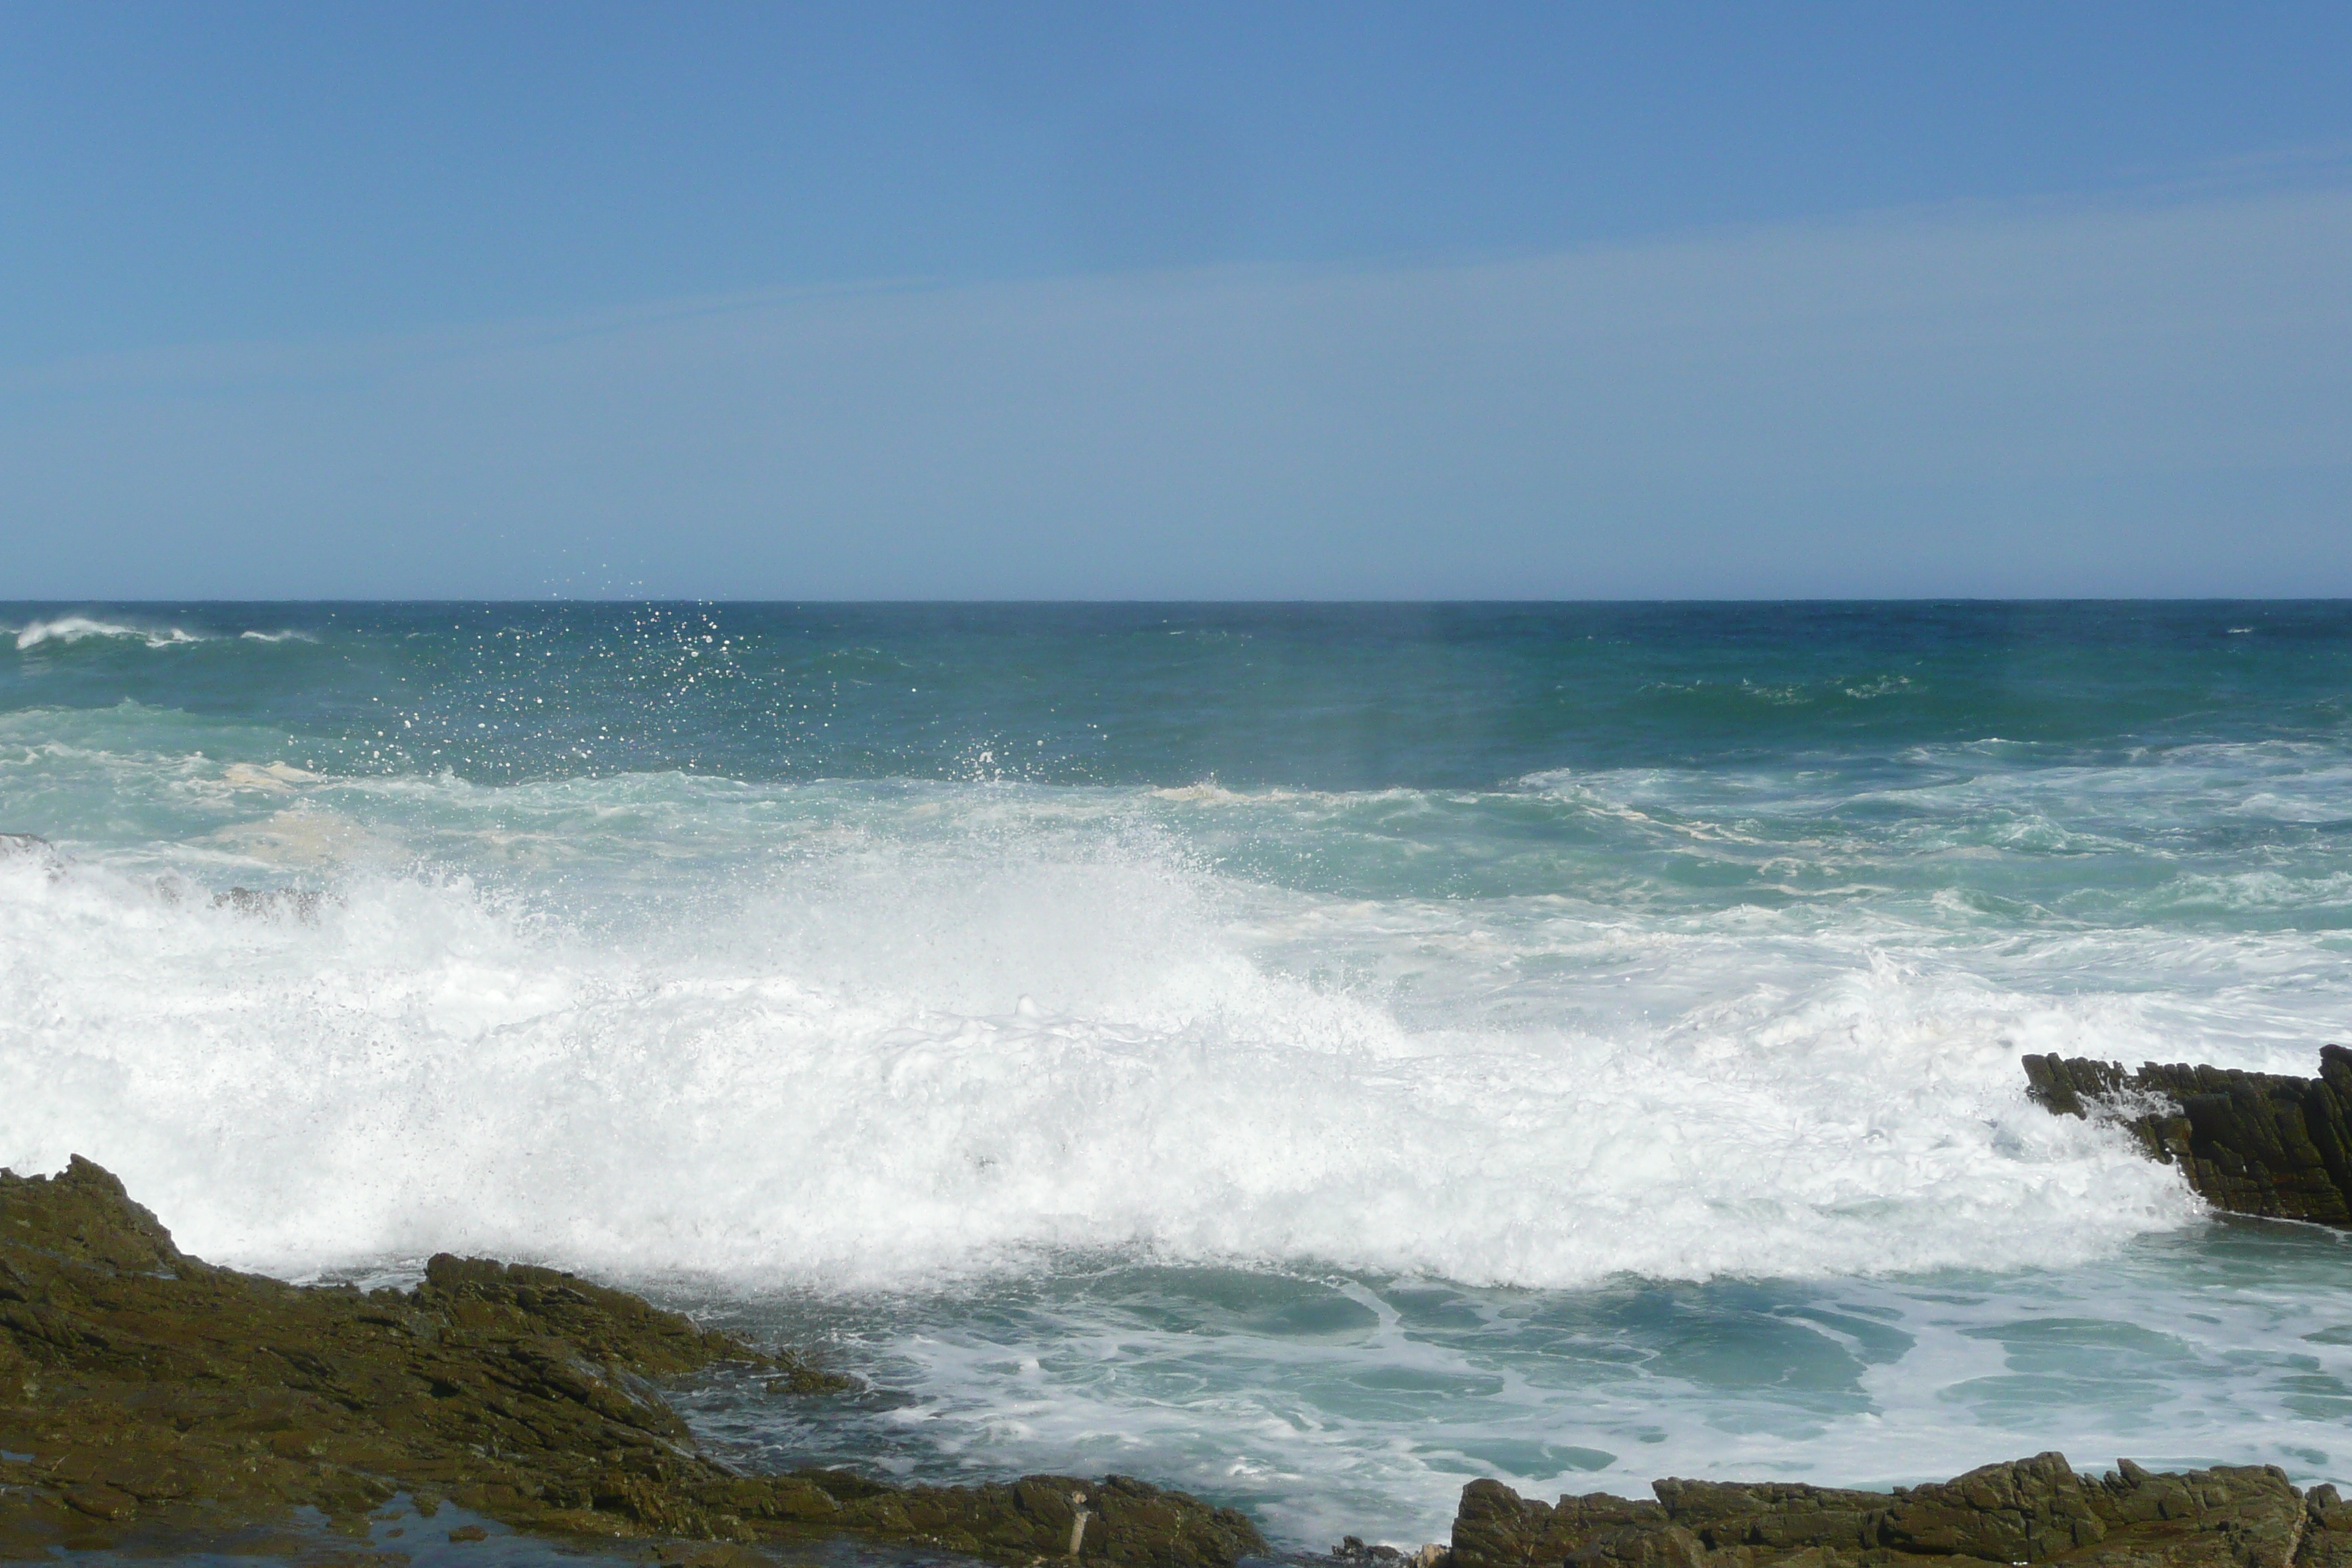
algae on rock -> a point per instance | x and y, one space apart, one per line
153 1391
2250 1143
2026 1511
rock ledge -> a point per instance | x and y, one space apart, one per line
2026 1511
144 1392
2251 1142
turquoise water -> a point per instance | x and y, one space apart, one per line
1311 1055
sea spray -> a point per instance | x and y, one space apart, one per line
1311 1058
828 1077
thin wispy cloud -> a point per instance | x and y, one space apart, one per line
1741 412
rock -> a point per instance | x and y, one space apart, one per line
33 847
156 1391
2327 1532
300 904
1493 1527
2028 1511
1352 1552
2254 1144
2019 1513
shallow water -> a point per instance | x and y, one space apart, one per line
1308 1055
1338 1405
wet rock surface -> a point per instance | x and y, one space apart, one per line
2250 1143
144 1392
2028 1511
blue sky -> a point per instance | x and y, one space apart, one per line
1083 300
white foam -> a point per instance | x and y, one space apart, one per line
1335 1403
775 1032
825 1075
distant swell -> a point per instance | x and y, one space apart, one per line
65 630
77 628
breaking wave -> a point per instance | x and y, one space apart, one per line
1314 1061
980 1028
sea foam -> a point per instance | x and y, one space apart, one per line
1309 1064
887 1059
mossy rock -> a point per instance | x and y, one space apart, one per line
154 1392
2036 1511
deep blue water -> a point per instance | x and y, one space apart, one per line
1312 697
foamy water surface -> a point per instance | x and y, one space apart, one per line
1310 1060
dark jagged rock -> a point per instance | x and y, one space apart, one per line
2028 1511
2251 1142
153 1391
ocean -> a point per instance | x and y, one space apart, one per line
1306 1055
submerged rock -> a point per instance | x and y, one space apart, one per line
287 903
2027 1511
33 847
2251 1142
143 1389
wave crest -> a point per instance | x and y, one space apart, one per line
80 628
70 630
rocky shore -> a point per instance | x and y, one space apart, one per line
144 1394
2029 1510
150 1399
2250 1143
